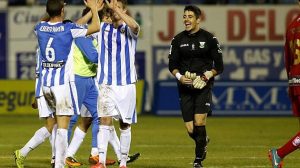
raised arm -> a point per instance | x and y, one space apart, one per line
130 22
85 19
95 24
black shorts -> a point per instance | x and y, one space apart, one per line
194 101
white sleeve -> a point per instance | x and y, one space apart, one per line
78 32
132 34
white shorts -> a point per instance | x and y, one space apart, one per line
84 112
118 102
62 99
44 109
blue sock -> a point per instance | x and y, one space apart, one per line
73 121
95 129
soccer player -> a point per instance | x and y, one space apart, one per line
292 65
116 77
55 40
195 58
85 57
44 113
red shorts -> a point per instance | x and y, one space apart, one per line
296 105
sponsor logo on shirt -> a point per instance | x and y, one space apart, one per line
53 65
184 45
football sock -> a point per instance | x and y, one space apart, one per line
200 140
38 138
72 123
95 129
61 146
52 139
94 151
103 137
125 140
115 142
75 142
290 146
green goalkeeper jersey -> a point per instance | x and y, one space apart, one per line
85 57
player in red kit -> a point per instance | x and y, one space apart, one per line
292 65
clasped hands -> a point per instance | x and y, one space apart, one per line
199 82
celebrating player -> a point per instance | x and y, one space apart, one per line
85 57
195 58
116 77
55 41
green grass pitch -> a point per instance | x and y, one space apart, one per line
236 142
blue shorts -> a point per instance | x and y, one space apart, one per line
87 93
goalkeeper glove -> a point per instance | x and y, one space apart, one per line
190 75
199 83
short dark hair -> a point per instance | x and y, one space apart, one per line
194 9
104 12
54 7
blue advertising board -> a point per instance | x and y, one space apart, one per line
140 64
241 63
26 65
3 44
230 98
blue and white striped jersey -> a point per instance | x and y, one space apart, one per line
117 47
38 79
55 41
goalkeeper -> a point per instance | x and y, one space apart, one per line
195 58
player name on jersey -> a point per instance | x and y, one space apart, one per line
52 28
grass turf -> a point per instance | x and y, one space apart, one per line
236 142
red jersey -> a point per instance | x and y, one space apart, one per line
292 55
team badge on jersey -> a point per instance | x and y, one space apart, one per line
202 44
122 30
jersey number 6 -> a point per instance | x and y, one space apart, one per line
50 53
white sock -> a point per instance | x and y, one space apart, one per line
76 141
125 140
52 139
102 141
94 151
61 146
38 138
115 142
